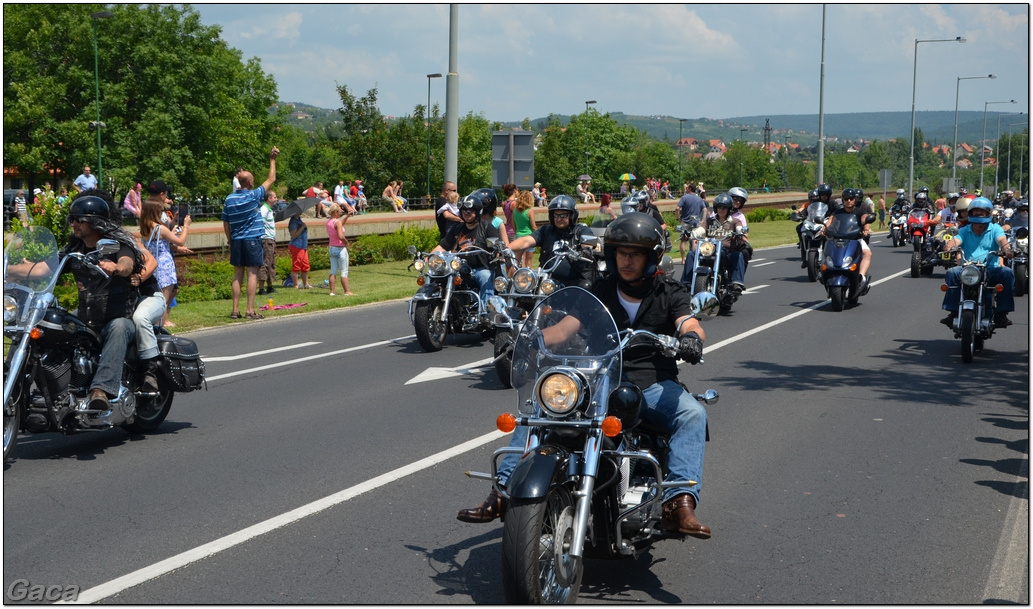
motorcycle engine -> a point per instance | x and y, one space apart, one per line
57 370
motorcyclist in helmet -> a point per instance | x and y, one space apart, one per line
739 198
922 202
825 194
975 241
1008 199
473 232
1021 216
634 245
562 226
961 210
490 205
801 216
643 201
864 219
732 246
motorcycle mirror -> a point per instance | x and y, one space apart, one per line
412 250
589 239
705 304
106 247
708 397
666 265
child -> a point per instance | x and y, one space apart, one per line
299 252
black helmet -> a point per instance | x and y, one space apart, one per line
860 194
93 209
812 196
563 203
924 189
637 230
849 193
723 200
641 200
489 200
824 190
471 201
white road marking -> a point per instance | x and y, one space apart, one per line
753 289
305 359
433 374
765 264
1009 571
230 358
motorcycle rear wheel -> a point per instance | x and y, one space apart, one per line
837 294
1021 279
812 266
151 412
916 264
430 331
504 364
968 339
536 565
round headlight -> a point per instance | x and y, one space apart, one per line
548 287
418 265
848 260
10 309
970 275
436 264
706 249
455 263
559 393
500 284
523 281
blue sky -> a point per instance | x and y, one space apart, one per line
682 60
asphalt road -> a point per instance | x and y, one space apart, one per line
854 460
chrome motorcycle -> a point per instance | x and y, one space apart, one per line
1018 238
709 273
813 240
974 321
590 481
52 355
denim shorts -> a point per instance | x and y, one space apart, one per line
247 252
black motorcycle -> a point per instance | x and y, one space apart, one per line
1018 239
590 483
709 273
977 307
812 249
53 355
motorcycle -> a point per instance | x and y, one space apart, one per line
448 300
708 273
1018 239
919 225
898 227
53 355
590 483
515 297
813 247
840 273
974 323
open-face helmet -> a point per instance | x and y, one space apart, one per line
737 192
980 203
563 203
471 201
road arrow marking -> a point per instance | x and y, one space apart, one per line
433 374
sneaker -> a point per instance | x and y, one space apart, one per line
270 290
738 287
260 291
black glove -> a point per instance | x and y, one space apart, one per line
690 348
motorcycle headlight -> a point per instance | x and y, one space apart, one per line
970 275
549 286
419 265
10 309
436 264
456 264
706 249
848 260
524 280
1021 245
699 233
500 284
559 393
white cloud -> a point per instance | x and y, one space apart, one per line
283 27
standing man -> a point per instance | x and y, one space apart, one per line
242 222
690 206
86 180
267 272
447 213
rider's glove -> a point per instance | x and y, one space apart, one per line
690 348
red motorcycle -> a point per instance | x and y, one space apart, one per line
920 227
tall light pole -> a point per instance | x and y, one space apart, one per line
429 76
997 150
587 142
914 88
96 87
785 161
982 142
681 174
954 151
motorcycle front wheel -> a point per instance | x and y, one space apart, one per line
837 294
537 567
916 264
151 412
12 421
1021 279
812 266
968 338
504 364
430 330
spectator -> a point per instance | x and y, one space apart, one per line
523 219
314 192
298 249
62 196
941 203
132 202
583 192
398 195
510 190
882 211
242 223
22 208
605 209
236 181
86 180
625 189
539 198
159 242
360 198
338 249
447 214
267 272
389 197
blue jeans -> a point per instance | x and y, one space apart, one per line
731 258
147 315
484 279
669 406
995 274
117 334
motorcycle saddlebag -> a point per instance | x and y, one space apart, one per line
180 362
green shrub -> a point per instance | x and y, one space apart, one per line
764 214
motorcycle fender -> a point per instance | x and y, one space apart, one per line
536 472
968 305
838 279
703 271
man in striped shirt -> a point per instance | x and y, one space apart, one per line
242 222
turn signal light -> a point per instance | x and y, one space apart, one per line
35 333
457 280
611 426
824 267
853 267
999 288
506 422
420 281
943 287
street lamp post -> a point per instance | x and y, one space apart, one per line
954 151
982 142
587 142
681 174
997 163
914 88
785 161
96 87
429 76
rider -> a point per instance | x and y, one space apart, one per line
812 197
1008 199
490 201
562 226
634 245
643 202
864 219
739 198
1021 216
473 232
731 250
976 240
105 304
901 204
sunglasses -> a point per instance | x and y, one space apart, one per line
561 215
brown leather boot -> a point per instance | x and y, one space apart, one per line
680 516
493 507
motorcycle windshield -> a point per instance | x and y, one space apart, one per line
918 216
570 328
30 259
817 211
844 226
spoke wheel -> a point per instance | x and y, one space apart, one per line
968 335
537 567
504 364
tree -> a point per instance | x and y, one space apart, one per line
473 169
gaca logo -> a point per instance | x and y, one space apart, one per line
23 590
